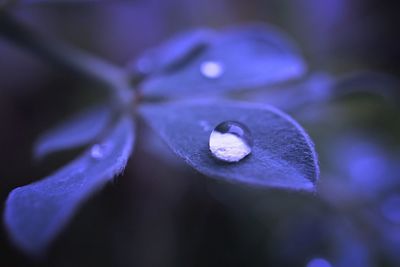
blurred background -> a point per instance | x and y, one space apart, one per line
173 216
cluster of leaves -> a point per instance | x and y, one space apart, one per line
252 57
257 63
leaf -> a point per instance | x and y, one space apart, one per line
375 83
36 213
315 89
175 51
246 58
283 155
77 131
360 169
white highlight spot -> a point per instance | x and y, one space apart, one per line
228 147
97 151
211 69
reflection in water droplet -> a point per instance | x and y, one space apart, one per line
391 209
319 262
97 151
211 69
230 141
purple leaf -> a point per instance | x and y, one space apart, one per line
235 59
175 51
282 156
77 131
370 82
315 89
37 212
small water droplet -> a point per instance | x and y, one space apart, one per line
211 69
319 262
230 141
97 151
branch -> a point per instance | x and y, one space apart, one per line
68 57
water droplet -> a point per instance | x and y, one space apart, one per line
319 262
230 141
211 69
97 151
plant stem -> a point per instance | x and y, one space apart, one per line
70 58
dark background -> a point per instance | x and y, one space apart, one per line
170 215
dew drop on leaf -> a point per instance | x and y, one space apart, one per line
97 151
319 262
230 141
211 69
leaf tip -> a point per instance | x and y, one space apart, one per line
15 226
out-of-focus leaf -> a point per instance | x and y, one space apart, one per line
351 249
175 51
384 220
360 169
315 89
376 83
283 155
36 213
77 131
236 59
